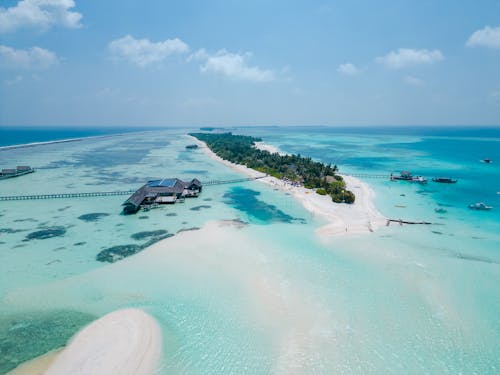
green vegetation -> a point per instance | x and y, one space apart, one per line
240 149
321 191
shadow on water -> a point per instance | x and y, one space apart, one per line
28 335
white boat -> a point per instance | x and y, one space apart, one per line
419 179
480 206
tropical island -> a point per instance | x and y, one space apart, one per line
240 149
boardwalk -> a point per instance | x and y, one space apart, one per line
366 175
110 193
401 222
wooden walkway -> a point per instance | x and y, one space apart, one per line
110 193
235 181
366 175
401 222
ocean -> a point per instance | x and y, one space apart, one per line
245 284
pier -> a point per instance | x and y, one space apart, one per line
366 175
401 222
109 193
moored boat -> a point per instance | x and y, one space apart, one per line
487 161
403 176
407 176
480 206
445 180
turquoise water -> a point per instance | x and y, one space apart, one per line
265 294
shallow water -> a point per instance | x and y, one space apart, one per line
264 294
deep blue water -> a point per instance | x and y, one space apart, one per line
20 135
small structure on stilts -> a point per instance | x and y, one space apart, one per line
165 191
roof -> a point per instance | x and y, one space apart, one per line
194 181
157 187
166 182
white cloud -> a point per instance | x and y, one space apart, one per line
143 52
348 69
33 58
413 81
39 14
404 57
232 65
487 37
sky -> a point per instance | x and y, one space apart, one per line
239 63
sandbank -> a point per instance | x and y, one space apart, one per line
36 366
343 219
122 342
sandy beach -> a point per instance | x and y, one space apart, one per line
265 147
343 219
122 342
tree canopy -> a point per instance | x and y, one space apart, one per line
240 149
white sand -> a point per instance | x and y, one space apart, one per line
266 147
344 219
122 342
36 366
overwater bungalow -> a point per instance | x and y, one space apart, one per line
15 172
165 191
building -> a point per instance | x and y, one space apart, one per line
155 192
15 172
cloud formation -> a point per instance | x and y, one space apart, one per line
232 65
487 37
143 52
405 57
413 81
34 58
348 69
41 14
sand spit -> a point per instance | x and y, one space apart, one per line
122 342
36 366
344 219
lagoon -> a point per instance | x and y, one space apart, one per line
256 290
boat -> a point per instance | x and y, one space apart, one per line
480 206
445 180
407 176
404 176
440 210
487 161
15 172
191 147
419 179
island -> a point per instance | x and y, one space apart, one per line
297 169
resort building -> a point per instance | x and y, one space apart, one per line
15 172
155 192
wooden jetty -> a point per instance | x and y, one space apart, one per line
64 195
401 222
365 175
109 193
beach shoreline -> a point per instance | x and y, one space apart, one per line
267 147
343 219
127 341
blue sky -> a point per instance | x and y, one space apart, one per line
166 63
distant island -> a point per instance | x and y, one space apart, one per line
240 149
